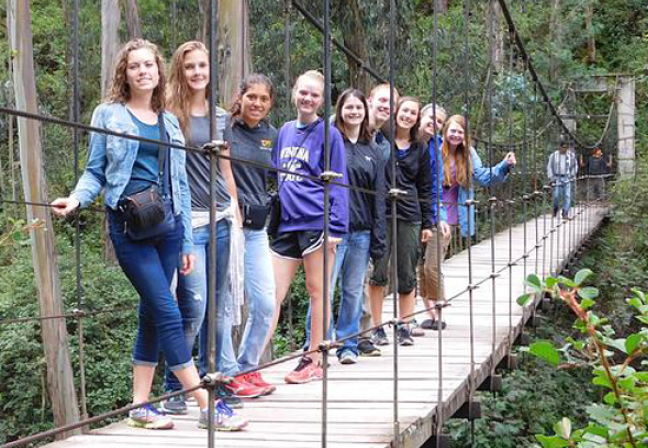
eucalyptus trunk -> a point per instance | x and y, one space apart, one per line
60 379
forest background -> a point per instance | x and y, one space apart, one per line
478 71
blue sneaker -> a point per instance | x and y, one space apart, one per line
348 357
224 418
147 417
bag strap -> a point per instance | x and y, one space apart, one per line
162 154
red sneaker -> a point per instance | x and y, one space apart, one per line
242 389
305 372
255 379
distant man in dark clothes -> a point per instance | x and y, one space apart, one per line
598 167
561 169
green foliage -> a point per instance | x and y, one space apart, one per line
533 397
24 402
291 329
617 365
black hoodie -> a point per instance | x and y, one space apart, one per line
367 211
414 176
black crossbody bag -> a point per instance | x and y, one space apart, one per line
255 216
146 213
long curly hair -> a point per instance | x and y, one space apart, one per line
120 92
178 93
463 159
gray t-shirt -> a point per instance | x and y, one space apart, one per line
198 166
255 145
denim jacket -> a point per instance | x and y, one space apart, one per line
484 176
111 160
434 145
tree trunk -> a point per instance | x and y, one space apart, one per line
351 22
10 141
441 5
555 37
60 380
233 48
203 30
110 18
496 36
591 40
132 19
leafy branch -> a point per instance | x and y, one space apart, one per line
621 420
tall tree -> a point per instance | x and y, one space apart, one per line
234 55
60 380
132 19
496 41
110 18
234 48
555 37
589 27
351 22
441 5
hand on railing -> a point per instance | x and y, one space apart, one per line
64 206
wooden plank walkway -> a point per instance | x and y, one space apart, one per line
360 404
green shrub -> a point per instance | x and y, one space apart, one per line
24 402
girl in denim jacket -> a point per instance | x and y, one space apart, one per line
119 165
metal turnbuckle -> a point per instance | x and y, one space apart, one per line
215 147
328 176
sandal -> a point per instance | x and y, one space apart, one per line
428 324
435 325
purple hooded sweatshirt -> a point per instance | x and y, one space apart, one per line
301 151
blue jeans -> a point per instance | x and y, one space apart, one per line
150 265
260 298
192 294
351 262
562 190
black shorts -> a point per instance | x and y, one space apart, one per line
296 245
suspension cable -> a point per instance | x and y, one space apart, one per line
327 219
394 221
212 280
440 284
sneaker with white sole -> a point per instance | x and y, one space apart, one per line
147 417
404 336
228 397
224 418
416 330
306 371
348 357
257 380
175 405
367 348
379 337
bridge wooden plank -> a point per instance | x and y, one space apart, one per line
360 406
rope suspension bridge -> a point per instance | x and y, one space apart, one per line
403 398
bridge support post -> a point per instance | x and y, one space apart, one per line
470 410
509 362
491 384
437 441
625 101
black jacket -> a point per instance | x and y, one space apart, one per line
414 176
367 211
